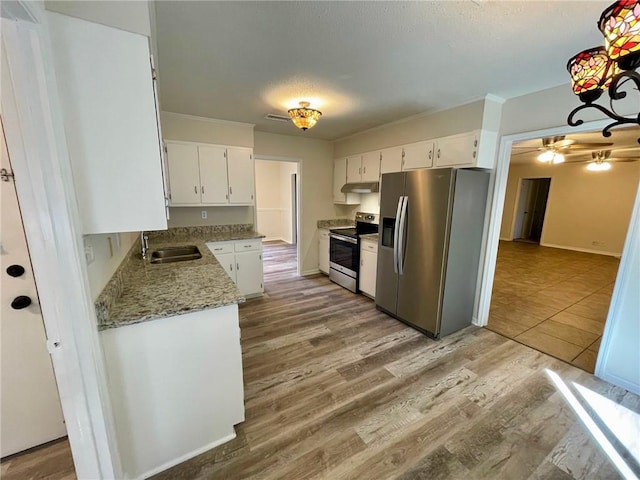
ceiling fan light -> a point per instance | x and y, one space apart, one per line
591 73
620 25
557 158
546 156
599 166
304 117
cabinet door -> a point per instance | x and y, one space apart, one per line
354 169
371 167
249 272
323 251
240 168
227 260
417 155
368 269
391 160
213 175
107 98
184 173
457 150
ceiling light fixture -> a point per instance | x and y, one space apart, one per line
599 166
304 117
551 156
608 68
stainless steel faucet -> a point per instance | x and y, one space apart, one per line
144 241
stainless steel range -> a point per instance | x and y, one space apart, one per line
344 250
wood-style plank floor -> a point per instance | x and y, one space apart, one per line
337 390
553 300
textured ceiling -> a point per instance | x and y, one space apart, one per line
624 145
362 64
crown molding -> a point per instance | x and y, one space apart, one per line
207 119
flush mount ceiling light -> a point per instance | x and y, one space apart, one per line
304 117
608 68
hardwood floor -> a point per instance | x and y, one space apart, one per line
553 300
279 260
335 389
51 461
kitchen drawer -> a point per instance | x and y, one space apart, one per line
248 245
218 248
370 245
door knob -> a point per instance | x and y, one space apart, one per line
20 302
15 270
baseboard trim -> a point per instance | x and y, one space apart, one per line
314 271
506 239
584 250
187 456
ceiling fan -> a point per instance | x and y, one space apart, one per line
601 160
554 148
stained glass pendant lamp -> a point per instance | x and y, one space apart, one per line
608 68
304 117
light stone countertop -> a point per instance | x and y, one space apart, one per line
141 291
372 237
336 223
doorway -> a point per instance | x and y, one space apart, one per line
559 250
277 212
532 205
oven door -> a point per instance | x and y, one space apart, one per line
344 254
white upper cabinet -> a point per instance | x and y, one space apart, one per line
417 155
363 168
106 89
371 167
339 179
184 173
457 150
201 174
354 169
391 160
241 175
213 175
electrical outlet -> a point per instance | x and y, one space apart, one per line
204 214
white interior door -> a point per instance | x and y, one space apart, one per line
29 401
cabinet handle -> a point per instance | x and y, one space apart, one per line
231 267
237 266
360 170
195 189
474 154
430 154
227 196
361 263
230 190
202 188
218 249
438 153
364 170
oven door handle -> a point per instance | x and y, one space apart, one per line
343 239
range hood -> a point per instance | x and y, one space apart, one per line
361 187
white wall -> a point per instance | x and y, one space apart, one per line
315 183
273 199
583 207
108 255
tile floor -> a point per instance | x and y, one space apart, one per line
553 300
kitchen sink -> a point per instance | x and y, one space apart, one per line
176 254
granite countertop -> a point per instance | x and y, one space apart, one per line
141 291
336 223
370 236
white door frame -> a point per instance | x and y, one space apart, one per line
497 199
36 142
298 161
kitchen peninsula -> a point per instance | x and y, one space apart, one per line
171 340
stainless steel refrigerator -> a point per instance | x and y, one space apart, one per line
431 224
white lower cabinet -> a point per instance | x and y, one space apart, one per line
242 260
368 267
323 250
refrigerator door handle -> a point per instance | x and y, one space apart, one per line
401 238
396 232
